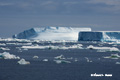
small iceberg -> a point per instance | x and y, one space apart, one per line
113 56
23 62
60 57
4 49
35 57
117 63
88 59
7 55
61 61
76 59
103 49
45 60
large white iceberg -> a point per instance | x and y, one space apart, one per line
51 33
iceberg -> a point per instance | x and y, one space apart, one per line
51 33
104 36
23 62
7 55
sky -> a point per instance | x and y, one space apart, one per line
19 15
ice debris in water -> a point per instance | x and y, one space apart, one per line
2 44
88 59
113 56
61 61
45 60
7 55
35 57
104 49
76 59
60 57
75 46
2 48
117 63
23 62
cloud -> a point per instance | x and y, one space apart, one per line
49 5
6 4
107 2
62 7
110 6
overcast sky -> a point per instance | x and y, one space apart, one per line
19 15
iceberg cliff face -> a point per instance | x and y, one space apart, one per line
26 34
105 36
51 33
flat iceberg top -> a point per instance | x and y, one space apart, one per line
60 29
51 33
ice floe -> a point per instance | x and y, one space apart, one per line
2 44
45 60
23 62
117 63
35 57
88 60
5 49
7 55
60 57
77 46
61 61
113 56
104 49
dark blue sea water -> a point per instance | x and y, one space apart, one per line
41 70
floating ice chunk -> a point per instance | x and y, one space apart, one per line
23 62
36 57
45 60
70 58
33 47
78 46
7 55
25 49
117 63
5 49
76 59
113 56
2 44
104 49
88 59
61 61
60 57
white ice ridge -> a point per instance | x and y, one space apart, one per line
51 33
77 46
104 49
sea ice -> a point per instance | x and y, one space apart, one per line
61 61
23 62
35 57
7 55
113 56
60 57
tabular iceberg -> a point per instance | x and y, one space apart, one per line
105 36
51 33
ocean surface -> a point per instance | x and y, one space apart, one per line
79 69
